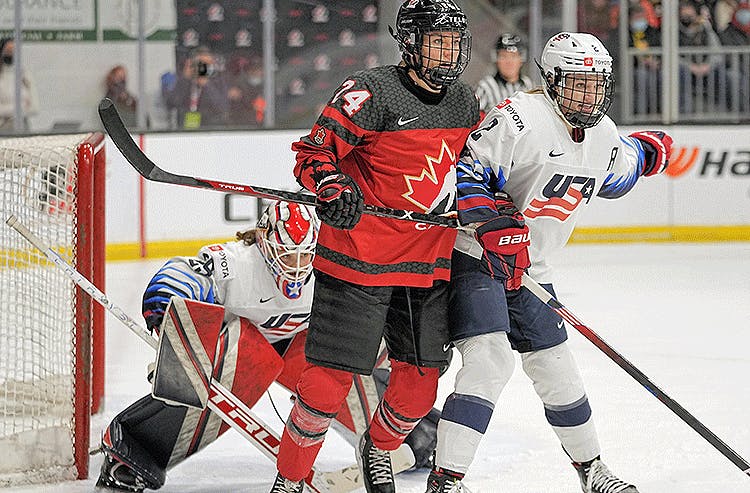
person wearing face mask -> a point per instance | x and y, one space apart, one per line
117 90
737 33
246 102
29 100
722 13
646 79
698 71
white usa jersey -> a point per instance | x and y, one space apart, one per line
524 148
233 275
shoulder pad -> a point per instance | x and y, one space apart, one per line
218 261
509 110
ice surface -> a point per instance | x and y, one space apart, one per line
679 312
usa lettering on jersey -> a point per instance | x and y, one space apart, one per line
562 196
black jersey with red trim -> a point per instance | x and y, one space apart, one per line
400 144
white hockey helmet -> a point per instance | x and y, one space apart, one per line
286 235
577 71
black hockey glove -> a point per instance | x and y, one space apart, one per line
505 240
341 201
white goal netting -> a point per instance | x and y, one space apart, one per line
38 180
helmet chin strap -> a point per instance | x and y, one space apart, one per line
422 74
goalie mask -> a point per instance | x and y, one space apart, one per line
286 236
577 71
434 40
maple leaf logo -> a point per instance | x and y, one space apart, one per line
436 183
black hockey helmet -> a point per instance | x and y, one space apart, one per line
418 17
510 42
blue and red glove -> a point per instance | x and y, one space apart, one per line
505 240
657 146
340 201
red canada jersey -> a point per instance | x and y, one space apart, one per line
400 144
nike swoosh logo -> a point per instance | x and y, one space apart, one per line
552 154
560 324
267 299
402 122
446 347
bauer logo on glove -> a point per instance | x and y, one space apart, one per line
513 239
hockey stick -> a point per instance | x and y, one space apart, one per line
149 170
220 400
637 374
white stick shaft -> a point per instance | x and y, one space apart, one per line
81 281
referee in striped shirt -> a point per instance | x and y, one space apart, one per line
510 55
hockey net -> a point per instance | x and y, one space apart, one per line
49 359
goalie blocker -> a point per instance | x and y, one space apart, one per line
161 430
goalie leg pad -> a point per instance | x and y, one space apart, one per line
423 439
152 436
186 353
125 444
247 363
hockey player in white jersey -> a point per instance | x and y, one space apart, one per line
553 150
264 281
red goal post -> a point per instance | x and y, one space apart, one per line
51 334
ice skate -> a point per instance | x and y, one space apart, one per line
283 485
117 476
443 481
375 464
597 478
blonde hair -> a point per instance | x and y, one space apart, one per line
249 236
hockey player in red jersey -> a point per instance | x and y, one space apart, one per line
264 283
553 150
389 136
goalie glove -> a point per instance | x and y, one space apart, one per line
505 240
340 201
656 146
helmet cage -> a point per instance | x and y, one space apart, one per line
569 101
424 17
572 56
287 234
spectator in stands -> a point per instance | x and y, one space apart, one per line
246 102
646 67
200 94
651 10
699 73
117 90
599 17
723 11
29 100
737 33
510 55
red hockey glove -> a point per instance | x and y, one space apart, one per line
340 200
657 146
505 240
